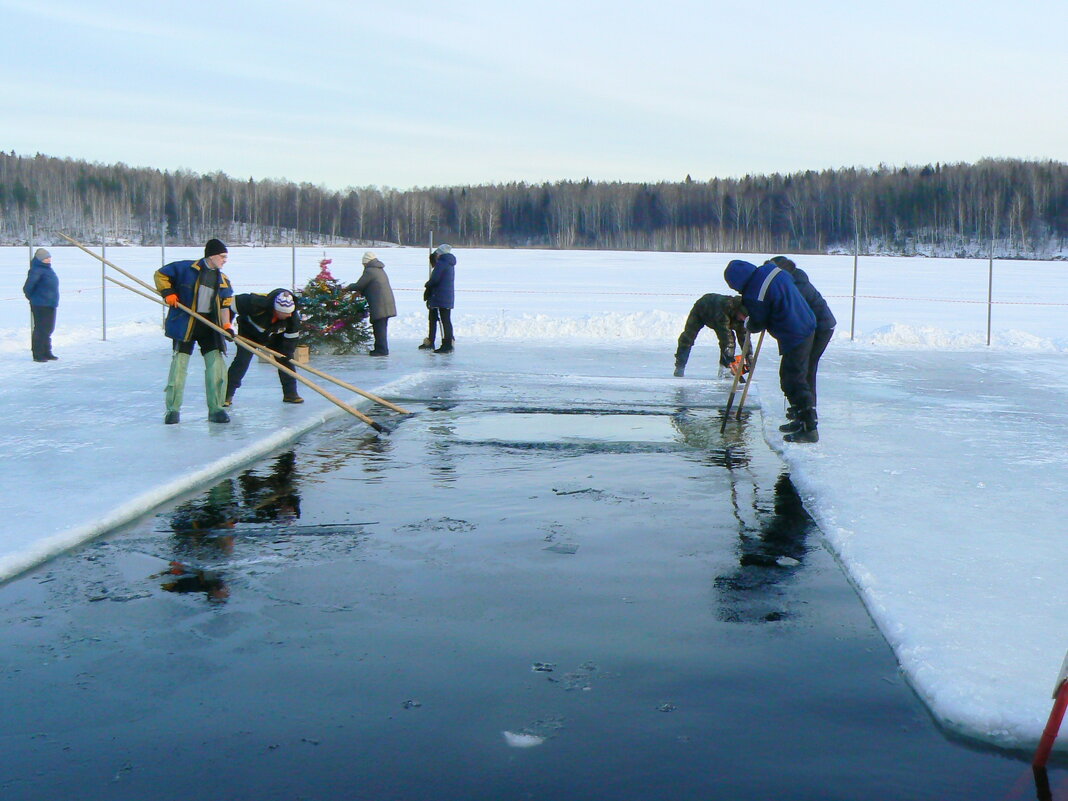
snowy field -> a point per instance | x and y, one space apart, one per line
936 482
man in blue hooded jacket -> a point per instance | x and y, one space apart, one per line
774 303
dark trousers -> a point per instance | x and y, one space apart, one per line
243 358
379 329
44 323
793 375
207 338
819 345
445 316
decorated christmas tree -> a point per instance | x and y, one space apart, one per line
332 320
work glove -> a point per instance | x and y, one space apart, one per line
230 334
171 300
726 356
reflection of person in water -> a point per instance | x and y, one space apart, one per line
271 497
182 578
699 428
750 593
204 527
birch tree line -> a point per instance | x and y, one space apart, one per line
1015 207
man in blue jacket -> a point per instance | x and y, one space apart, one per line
825 323
201 286
774 303
42 291
439 295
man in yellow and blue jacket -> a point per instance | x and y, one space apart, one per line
201 286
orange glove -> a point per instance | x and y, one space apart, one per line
171 300
229 329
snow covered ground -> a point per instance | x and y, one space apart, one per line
937 479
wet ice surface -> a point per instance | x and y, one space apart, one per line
463 610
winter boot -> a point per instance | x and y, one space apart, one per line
791 427
219 417
215 383
446 347
175 390
428 344
294 398
170 418
680 371
228 401
807 432
791 412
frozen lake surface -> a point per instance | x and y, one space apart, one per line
492 602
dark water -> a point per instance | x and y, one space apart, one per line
493 602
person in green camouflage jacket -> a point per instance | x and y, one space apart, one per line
723 314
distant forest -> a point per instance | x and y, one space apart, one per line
1018 208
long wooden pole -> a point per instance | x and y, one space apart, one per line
734 387
325 375
244 343
752 369
310 384
320 373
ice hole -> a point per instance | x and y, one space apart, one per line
542 427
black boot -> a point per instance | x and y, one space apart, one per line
446 347
218 417
170 418
428 344
791 413
807 432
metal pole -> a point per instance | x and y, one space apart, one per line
293 281
990 293
853 313
103 296
163 261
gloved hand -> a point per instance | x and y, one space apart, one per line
426 294
171 300
230 333
726 356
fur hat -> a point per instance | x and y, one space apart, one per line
440 249
368 257
41 254
784 263
284 303
214 248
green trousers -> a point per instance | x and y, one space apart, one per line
214 380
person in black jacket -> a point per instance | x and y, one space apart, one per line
825 323
271 320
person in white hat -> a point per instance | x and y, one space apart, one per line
271 320
374 285
42 291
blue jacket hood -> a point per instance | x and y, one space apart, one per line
738 273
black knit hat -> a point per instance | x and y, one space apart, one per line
214 248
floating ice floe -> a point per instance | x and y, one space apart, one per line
520 740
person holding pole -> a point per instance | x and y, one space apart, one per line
42 291
374 285
721 313
271 320
825 323
775 304
201 286
440 296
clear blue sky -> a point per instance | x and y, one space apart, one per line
410 93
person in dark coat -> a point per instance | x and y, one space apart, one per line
825 323
201 286
722 314
439 294
774 303
374 285
42 291
271 320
